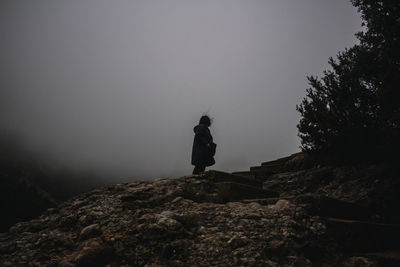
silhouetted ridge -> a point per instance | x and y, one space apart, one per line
295 213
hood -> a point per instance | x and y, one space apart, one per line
199 127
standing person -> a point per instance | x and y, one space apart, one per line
203 146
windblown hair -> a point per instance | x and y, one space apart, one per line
205 119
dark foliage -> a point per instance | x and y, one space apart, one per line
353 111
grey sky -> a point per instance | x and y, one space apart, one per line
119 85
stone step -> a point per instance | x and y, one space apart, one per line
385 258
361 236
262 176
262 173
246 174
329 207
231 191
280 160
218 176
282 181
266 201
262 201
274 168
271 165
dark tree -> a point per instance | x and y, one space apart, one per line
353 111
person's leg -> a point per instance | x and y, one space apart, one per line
198 169
202 169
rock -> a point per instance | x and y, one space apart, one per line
201 230
237 242
68 221
359 262
169 223
86 219
93 253
65 264
281 205
177 199
166 220
167 214
269 185
7 264
90 231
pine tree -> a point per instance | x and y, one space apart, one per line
354 109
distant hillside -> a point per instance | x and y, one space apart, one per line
29 184
21 200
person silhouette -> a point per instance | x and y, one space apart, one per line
204 148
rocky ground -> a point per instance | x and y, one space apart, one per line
215 219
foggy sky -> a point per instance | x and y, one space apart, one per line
119 85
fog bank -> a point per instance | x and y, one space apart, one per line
118 86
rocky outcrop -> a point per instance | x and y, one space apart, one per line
179 222
214 219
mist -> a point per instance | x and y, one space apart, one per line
117 86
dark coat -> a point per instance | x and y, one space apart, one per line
203 147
